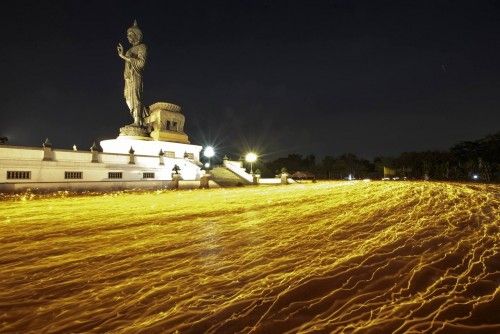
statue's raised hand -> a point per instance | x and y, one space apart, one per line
119 48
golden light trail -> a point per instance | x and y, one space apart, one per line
341 257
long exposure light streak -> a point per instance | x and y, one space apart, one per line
341 257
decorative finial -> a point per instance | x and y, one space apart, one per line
131 151
135 26
136 30
47 143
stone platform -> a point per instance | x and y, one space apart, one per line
167 123
151 147
134 131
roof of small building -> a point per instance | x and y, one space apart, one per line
165 106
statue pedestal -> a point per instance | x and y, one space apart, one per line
173 136
134 132
167 122
150 147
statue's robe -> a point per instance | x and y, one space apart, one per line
133 80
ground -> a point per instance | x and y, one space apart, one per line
367 257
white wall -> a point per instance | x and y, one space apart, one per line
17 158
149 147
270 181
275 180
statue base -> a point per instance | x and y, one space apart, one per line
142 146
134 131
173 136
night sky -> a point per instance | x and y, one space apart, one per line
322 77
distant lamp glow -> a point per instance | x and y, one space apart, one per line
251 158
208 152
475 176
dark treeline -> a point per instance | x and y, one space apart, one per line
479 160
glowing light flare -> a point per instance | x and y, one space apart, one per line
251 157
209 152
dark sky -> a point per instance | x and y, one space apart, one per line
322 77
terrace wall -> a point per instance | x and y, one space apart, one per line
94 175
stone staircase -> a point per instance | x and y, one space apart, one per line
227 178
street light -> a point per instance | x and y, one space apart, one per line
251 158
208 153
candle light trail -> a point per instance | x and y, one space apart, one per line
341 257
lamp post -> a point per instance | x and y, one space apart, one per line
208 153
251 158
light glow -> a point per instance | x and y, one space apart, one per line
251 157
209 152
390 257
